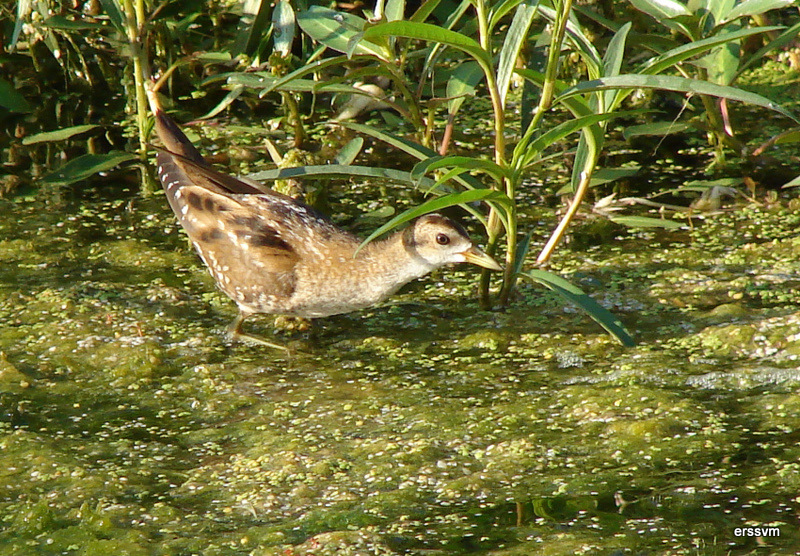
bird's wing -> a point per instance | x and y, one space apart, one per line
238 241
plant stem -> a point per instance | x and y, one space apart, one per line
556 236
545 101
494 225
135 18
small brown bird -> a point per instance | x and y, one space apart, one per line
273 254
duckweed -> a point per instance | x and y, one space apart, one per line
424 426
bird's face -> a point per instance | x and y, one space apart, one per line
440 241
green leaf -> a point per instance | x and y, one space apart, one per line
499 10
57 135
461 84
661 9
523 247
439 203
608 175
268 83
409 147
560 131
515 38
11 100
340 170
337 31
684 52
271 83
425 10
226 101
793 183
791 136
574 295
780 41
349 152
658 129
451 174
62 23
115 13
430 33
749 8
670 13
645 222
394 10
209 57
615 53
673 83
85 166
460 162
612 62
581 42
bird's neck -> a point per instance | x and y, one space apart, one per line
391 263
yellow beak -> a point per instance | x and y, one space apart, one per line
476 256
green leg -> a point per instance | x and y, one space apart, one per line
235 333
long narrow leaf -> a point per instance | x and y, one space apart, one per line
409 147
612 62
394 9
673 83
782 40
661 9
557 133
59 134
340 170
424 10
252 25
749 8
463 162
583 45
462 82
574 295
336 29
85 166
439 203
515 38
349 152
283 25
646 222
267 85
500 10
430 33
684 52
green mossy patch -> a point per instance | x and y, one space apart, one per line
130 425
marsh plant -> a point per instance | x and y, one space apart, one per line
429 62
725 24
479 47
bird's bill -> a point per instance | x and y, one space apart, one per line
476 256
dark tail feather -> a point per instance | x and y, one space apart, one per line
174 139
168 131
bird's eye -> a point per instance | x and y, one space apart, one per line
442 239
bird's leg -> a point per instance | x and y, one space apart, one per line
235 333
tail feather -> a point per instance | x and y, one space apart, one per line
180 163
171 136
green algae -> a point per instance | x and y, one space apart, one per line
422 426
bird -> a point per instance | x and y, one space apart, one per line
271 253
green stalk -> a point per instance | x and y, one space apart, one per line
135 18
545 102
494 225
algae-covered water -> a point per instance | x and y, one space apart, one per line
424 426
